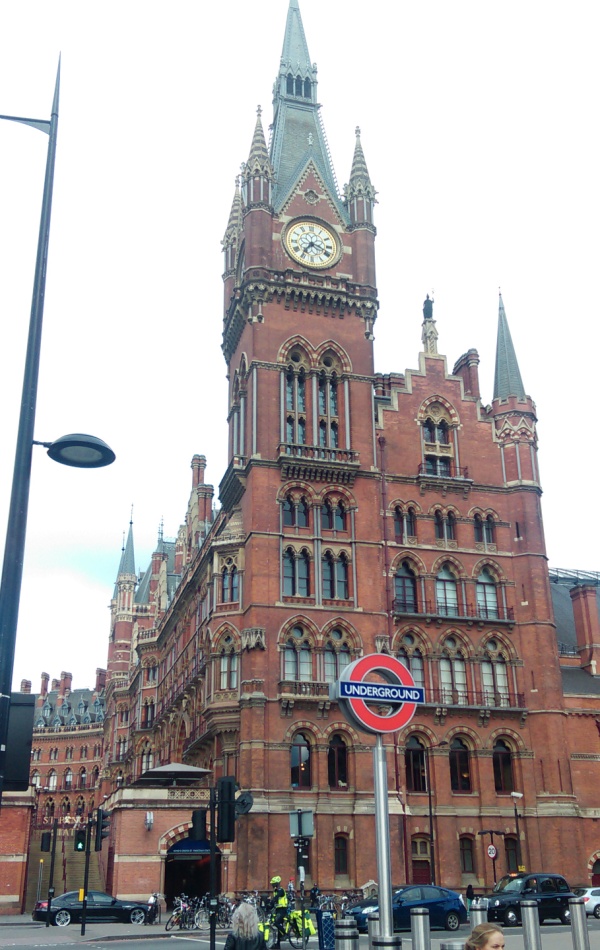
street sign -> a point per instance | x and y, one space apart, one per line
361 700
492 851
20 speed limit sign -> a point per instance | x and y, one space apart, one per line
492 851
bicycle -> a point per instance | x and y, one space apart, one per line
182 916
290 929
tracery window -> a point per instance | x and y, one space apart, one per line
68 779
300 761
328 411
487 596
295 515
52 781
412 658
228 668
494 677
298 657
336 656
405 589
453 674
405 524
295 404
296 573
446 593
229 583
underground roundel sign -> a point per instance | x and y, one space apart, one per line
373 705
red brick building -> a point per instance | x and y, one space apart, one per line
359 513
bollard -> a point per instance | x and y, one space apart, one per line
530 919
393 942
346 934
579 928
478 913
419 926
372 928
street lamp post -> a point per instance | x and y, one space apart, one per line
516 797
428 750
79 450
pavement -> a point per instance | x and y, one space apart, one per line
22 931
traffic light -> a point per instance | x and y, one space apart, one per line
198 829
79 839
46 839
102 828
226 808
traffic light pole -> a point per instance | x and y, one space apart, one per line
86 875
51 881
213 869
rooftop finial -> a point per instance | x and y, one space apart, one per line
429 334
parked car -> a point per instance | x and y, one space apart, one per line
551 892
591 899
446 908
99 907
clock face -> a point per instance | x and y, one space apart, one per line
311 243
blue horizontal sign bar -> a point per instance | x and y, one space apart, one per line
380 692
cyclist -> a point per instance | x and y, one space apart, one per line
279 904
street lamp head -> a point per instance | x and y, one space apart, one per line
80 451
516 794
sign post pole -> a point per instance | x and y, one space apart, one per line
382 838
361 699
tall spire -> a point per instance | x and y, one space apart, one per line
507 378
127 565
298 134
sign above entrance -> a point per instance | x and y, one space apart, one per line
361 700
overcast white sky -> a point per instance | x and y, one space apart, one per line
479 126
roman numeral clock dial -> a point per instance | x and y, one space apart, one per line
311 244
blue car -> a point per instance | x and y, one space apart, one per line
446 908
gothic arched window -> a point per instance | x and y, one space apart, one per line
298 657
405 589
503 767
446 593
300 764
487 596
337 762
414 761
460 766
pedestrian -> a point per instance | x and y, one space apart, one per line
486 937
470 897
245 934
279 908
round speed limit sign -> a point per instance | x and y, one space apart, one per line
492 852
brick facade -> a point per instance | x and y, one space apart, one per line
360 513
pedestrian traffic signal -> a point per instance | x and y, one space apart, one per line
102 828
79 839
226 808
46 839
198 829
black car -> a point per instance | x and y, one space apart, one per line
551 892
99 907
446 908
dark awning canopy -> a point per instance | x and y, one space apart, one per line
176 773
188 849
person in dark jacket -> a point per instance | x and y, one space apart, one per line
245 934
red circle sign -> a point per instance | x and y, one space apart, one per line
492 851
354 694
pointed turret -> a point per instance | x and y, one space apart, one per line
513 412
359 193
298 133
231 237
257 173
507 377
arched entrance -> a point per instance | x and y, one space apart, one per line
187 869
